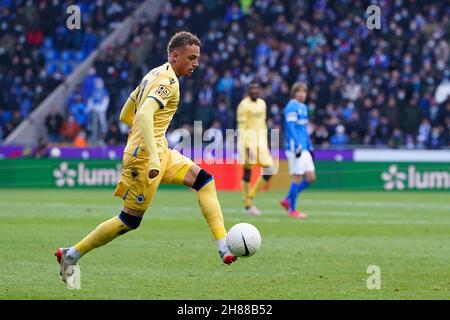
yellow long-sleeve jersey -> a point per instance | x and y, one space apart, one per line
251 122
161 84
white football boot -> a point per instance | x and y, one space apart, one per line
69 271
253 211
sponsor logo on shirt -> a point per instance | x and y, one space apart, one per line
163 92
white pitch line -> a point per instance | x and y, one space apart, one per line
366 204
337 203
318 215
269 215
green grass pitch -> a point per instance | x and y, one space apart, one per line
173 255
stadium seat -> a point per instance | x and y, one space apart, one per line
48 43
79 56
51 55
66 55
7 115
51 68
66 67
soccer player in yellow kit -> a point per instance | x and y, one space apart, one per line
252 143
148 161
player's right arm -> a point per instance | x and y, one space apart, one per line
127 112
146 124
241 116
129 109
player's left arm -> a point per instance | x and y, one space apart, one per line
311 147
291 119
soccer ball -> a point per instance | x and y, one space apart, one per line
243 240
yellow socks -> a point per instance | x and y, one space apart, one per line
257 187
210 207
104 233
245 193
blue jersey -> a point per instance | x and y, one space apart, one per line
296 126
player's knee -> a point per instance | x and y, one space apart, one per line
247 174
201 180
130 221
267 177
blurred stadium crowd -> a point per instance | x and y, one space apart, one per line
37 50
387 87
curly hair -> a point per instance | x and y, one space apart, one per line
181 39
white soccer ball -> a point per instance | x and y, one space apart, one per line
243 240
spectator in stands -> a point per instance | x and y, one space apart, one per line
412 117
70 129
41 150
383 132
53 123
356 128
80 139
443 89
225 84
35 43
222 114
373 124
97 106
87 87
325 43
340 137
442 113
423 133
446 131
113 136
275 115
321 136
186 103
89 41
78 109
16 118
437 138
35 36
215 133
205 109
391 112
396 139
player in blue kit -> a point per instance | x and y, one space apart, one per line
298 148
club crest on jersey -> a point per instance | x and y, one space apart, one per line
140 199
163 92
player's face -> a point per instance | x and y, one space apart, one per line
253 92
301 94
187 60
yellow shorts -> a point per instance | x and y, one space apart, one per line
137 189
259 155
